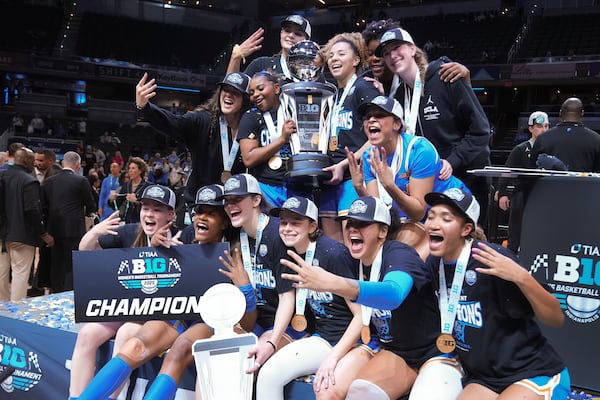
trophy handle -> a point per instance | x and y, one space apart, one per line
289 109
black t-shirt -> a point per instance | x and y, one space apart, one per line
411 329
330 311
267 273
124 238
497 339
350 132
253 127
194 129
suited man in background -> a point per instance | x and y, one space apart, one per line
21 225
66 200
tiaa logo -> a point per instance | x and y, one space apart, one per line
149 272
27 371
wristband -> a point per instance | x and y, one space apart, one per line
237 51
248 292
272 344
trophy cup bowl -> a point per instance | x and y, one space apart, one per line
308 102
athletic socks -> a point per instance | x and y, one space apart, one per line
163 388
107 380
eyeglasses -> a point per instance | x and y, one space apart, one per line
376 115
357 224
234 199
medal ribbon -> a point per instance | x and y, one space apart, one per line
285 69
274 132
301 293
449 305
228 156
373 277
339 103
395 166
395 86
411 108
249 262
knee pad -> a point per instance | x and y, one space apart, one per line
361 389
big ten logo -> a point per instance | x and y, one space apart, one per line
571 269
156 265
308 108
11 355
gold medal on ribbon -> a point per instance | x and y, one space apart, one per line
333 143
225 176
275 163
445 343
365 334
299 323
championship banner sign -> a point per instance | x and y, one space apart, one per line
560 248
144 283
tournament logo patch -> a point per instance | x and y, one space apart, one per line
28 372
455 194
263 250
358 207
235 78
470 277
149 272
291 203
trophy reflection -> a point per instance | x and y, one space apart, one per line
308 103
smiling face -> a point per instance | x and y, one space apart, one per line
381 128
264 94
295 229
290 35
154 215
230 100
376 64
209 223
342 61
400 58
447 231
364 239
241 209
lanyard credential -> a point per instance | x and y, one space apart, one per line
249 262
395 166
411 108
228 156
449 304
299 321
365 310
285 69
274 131
339 103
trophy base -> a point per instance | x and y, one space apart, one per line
306 169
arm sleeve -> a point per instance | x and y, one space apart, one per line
182 127
385 295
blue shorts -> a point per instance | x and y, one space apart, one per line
551 387
290 333
275 195
336 200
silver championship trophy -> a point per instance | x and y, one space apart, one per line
308 103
